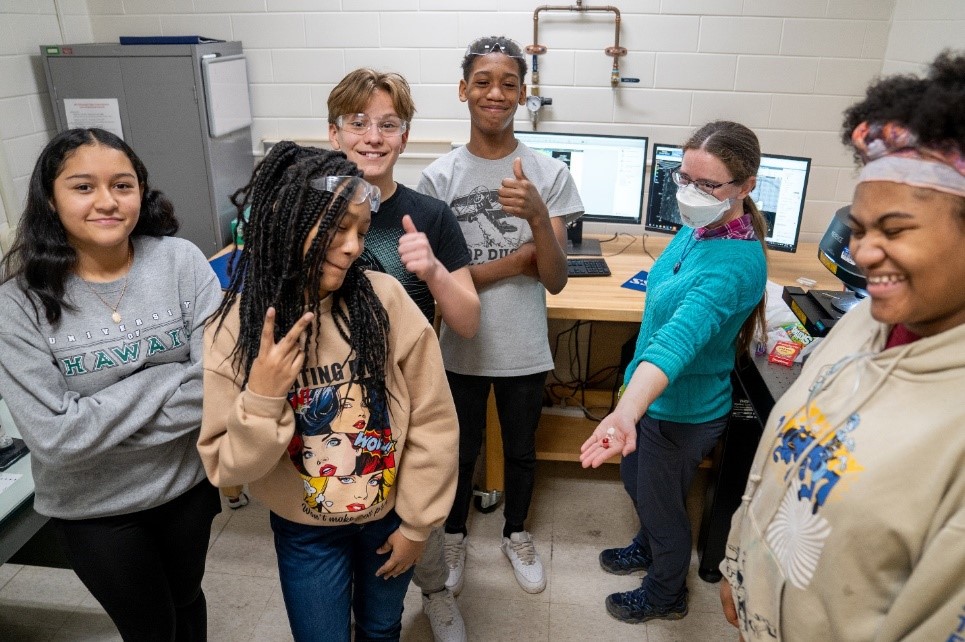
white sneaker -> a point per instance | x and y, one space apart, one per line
527 566
455 553
444 617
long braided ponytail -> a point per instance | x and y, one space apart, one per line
274 269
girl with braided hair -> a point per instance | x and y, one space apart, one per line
305 340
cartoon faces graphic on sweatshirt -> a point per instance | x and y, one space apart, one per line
342 449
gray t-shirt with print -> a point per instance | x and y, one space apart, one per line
512 338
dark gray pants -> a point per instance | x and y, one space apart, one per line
657 476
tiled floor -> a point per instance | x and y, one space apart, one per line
575 513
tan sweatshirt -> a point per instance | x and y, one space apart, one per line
320 456
853 521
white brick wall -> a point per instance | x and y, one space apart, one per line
26 122
786 68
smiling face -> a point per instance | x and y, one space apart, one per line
374 153
328 455
348 241
908 242
493 91
97 198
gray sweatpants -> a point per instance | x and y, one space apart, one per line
431 572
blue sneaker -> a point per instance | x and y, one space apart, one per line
634 607
623 561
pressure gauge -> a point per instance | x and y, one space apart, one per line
535 103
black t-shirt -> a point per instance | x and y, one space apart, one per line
432 217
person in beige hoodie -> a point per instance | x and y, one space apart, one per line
852 526
324 390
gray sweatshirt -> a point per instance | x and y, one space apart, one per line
110 411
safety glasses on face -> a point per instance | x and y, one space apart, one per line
485 46
360 124
682 180
355 189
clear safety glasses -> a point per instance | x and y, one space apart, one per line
485 46
357 190
360 124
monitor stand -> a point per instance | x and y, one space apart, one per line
586 247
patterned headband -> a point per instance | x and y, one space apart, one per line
891 152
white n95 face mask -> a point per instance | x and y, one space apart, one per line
699 209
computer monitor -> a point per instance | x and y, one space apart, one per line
779 194
609 171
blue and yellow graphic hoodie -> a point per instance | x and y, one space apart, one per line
853 522
320 455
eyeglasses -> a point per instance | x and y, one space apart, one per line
485 46
682 180
359 124
355 189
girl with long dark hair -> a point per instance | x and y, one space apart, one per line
302 326
101 319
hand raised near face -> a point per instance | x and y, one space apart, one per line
274 369
519 197
415 251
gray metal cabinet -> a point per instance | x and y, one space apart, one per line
163 105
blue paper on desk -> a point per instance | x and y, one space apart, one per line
637 282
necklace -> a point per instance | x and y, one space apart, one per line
115 315
691 242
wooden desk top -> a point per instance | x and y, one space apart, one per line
597 298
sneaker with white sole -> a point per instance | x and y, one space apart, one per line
455 554
444 617
527 565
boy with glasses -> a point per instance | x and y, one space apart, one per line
416 239
512 205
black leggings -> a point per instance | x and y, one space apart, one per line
519 402
145 568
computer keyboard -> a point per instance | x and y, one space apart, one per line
587 267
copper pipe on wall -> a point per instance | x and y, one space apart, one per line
616 51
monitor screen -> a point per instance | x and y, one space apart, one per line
609 171
779 194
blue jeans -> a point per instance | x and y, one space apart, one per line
326 571
657 476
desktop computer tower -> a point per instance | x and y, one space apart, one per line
183 108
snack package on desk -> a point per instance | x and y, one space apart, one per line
784 353
780 334
782 325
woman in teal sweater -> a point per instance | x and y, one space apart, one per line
705 302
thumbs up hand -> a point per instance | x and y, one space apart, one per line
416 253
519 197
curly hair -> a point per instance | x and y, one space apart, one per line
737 147
273 269
41 256
931 107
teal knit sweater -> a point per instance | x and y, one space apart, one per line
691 321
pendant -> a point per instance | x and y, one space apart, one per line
116 317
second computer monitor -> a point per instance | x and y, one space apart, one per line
779 194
